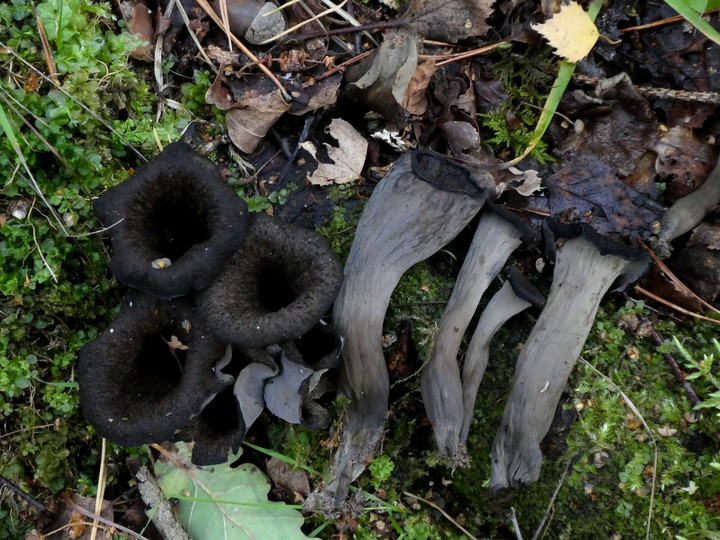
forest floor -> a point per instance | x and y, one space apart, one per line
303 128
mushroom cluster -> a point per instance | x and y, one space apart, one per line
420 205
223 317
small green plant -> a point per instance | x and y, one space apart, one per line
381 470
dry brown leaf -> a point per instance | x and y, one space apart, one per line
348 157
139 23
415 99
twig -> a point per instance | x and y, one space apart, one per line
193 36
20 494
677 282
162 513
102 481
332 9
45 44
661 22
516 526
214 16
551 503
669 304
469 54
345 64
350 29
635 411
87 513
291 159
691 394
443 512
661 93
87 109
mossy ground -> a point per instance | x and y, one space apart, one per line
57 294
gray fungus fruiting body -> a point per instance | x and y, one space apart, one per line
221 302
413 212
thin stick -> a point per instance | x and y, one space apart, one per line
87 109
345 64
469 54
351 29
45 44
516 525
669 304
45 263
677 282
549 512
87 513
691 394
443 512
333 9
635 411
20 494
102 482
661 22
214 16
193 36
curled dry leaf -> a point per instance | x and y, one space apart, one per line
347 158
683 161
381 82
415 99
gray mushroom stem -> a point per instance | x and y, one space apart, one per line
582 277
501 308
406 220
494 241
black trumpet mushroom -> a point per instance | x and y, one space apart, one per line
276 288
173 224
495 239
421 204
149 372
587 266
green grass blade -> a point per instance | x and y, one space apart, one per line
551 104
694 18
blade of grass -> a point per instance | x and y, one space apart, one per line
694 18
8 50
564 75
7 127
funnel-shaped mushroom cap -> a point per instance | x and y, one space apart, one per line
147 374
175 223
276 288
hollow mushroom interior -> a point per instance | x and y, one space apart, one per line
176 218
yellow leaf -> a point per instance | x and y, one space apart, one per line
571 31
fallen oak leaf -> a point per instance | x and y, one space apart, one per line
347 158
571 32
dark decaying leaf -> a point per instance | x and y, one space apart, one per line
683 161
291 486
450 20
620 128
381 81
586 190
